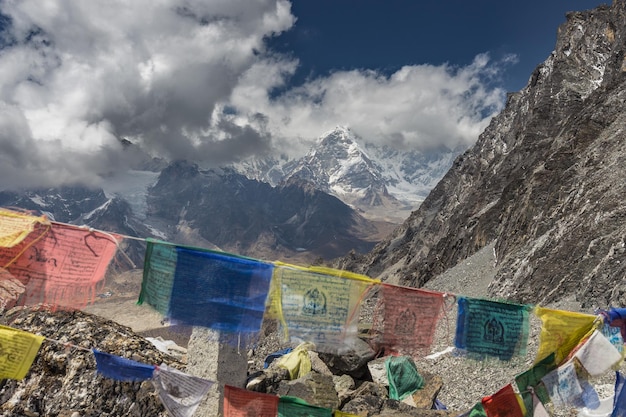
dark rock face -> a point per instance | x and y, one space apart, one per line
546 180
253 218
63 380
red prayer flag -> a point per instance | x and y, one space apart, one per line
60 265
239 402
405 319
504 403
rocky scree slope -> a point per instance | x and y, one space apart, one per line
545 181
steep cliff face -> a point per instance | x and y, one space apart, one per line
546 180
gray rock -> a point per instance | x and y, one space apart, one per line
352 362
316 389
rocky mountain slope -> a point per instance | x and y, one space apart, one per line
545 182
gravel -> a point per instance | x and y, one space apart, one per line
466 381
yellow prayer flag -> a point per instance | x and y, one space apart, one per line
14 227
316 304
561 331
297 362
18 350
338 413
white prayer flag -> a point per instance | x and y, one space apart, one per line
180 393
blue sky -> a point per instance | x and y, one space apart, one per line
332 35
219 81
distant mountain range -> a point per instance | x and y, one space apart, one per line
342 196
380 181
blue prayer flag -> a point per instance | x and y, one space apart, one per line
122 369
619 403
219 291
492 328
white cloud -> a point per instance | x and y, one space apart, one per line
77 76
417 106
193 79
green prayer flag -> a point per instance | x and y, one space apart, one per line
296 407
158 275
403 377
532 378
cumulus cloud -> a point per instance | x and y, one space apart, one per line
77 77
419 106
193 79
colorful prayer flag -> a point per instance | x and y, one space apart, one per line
219 291
297 362
316 307
338 413
492 328
158 275
597 355
239 402
403 377
619 401
531 380
616 317
180 393
121 369
296 407
15 226
18 350
405 319
561 331
563 386
61 265
504 403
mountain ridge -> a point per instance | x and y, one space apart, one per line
543 182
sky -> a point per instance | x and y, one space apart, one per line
218 81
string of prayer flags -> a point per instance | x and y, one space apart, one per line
293 406
492 328
504 403
18 350
239 402
405 319
530 380
219 291
180 393
121 369
15 226
158 275
597 355
317 305
60 265
403 377
561 331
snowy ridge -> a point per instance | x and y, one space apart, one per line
359 172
